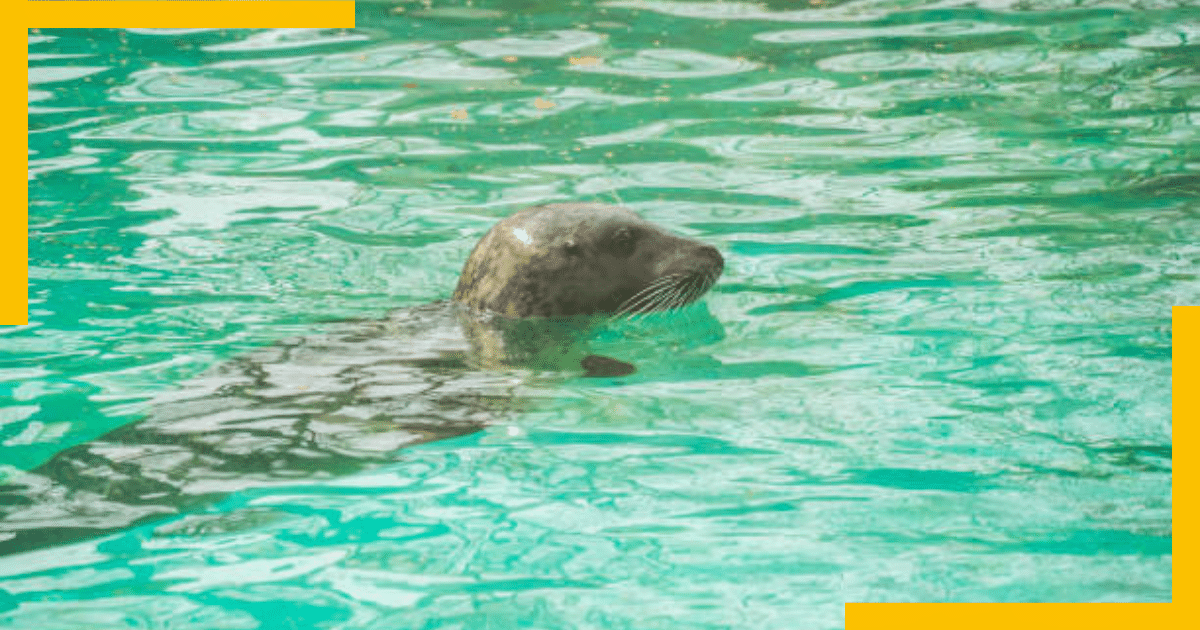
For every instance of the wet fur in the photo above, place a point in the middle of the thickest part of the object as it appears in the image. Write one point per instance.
(561, 260)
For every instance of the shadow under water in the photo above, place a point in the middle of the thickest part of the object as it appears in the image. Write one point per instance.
(306, 408)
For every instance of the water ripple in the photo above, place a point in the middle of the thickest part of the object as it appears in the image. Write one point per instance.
(668, 63)
(428, 62)
(551, 44)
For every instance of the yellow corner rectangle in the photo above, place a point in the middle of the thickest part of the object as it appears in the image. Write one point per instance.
(190, 14)
(14, 218)
(1185, 339)
(1010, 616)
(14, 237)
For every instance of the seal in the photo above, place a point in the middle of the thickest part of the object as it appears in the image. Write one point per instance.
(567, 259)
(345, 397)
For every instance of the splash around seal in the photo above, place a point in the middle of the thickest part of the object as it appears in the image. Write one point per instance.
(562, 260)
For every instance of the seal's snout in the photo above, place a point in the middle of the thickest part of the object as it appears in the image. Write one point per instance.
(699, 260)
(713, 255)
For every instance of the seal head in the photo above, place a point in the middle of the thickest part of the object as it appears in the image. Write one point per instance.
(560, 260)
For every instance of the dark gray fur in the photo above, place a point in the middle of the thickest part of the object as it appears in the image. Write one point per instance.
(566, 259)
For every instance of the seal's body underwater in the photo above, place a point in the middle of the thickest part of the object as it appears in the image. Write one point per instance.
(568, 259)
(336, 401)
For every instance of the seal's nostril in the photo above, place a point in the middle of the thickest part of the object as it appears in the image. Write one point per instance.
(715, 255)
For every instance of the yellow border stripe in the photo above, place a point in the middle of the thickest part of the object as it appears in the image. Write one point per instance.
(1185, 409)
(190, 14)
(1012, 616)
(1185, 339)
(14, 228)
(14, 217)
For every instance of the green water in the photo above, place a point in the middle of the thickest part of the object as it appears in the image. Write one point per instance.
(937, 367)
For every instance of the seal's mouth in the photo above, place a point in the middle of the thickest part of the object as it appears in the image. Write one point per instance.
(669, 292)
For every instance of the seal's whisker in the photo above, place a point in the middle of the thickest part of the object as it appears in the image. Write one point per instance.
(651, 301)
(666, 298)
(685, 293)
(666, 293)
(678, 297)
(660, 297)
(696, 291)
(635, 302)
(703, 284)
(644, 300)
(677, 292)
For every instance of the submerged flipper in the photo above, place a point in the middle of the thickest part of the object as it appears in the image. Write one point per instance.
(597, 366)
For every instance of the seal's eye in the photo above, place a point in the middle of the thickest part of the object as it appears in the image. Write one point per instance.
(621, 242)
(571, 247)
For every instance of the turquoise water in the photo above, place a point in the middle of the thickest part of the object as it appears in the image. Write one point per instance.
(937, 367)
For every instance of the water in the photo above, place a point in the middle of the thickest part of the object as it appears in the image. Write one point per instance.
(937, 366)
